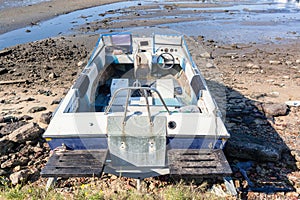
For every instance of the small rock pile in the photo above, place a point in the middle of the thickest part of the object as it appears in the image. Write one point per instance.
(42, 61)
(23, 152)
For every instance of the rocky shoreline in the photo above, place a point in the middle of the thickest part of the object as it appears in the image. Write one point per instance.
(251, 83)
(265, 133)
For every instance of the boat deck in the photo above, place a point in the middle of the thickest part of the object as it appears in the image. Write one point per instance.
(79, 163)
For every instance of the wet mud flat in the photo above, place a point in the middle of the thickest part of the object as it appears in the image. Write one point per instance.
(251, 81)
(227, 21)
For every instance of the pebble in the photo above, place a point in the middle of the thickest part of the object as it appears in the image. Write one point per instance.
(20, 176)
(3, 71)
(56, 101)
(253, 66)
(256, 67)
(52, 75)
(206, 55)
(210, 65)
(25, 118)
(47, 67)
(46, 117)
(286, 77)
(80, 63)
(37, 109)
(275, 62)
(274, 94)
(288, 62)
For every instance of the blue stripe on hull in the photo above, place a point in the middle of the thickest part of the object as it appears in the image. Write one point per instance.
(194, 143)
(172, 143)
(79, 143)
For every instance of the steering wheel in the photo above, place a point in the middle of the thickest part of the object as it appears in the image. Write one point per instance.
(165, 61)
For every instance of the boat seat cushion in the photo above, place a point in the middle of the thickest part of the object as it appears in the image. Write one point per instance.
(142, 64)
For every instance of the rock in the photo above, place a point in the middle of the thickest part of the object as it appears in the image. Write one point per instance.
(286, 77)
(10, 127)
(9, 163)
(52, 75)
(25, 118)
(3, 71)
(275, 109)
(274, 94)
(256, 67)
(296, 154)
(252, 148)
(5, 52)
(206, 55)
(210, 65)
(37, 149)
(253, 66)
(46, 117)
(47, 67)
(56, 101)
(257, 95)
(298, 61)
(28, 99)
(1, 126)
(275, 62)
(27, 132)
(288, 62)
(20, 176)
(80, 64)
(5, 145)
(3, 172)
(10, 119)
(37, 109)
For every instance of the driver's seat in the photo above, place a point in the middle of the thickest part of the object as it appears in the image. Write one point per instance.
(142, 64)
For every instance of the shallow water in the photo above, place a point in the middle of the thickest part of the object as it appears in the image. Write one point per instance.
(243, 22)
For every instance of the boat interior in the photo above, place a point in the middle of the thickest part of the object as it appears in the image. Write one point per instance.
(136, 74)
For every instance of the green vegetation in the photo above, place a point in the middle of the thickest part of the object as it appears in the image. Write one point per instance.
(116, 189)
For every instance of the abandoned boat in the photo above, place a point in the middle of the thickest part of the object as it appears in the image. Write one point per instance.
(140, 108)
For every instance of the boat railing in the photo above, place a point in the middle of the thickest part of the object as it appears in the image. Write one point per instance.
(144, 90)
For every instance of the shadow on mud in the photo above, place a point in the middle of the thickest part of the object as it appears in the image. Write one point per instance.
(258, 156)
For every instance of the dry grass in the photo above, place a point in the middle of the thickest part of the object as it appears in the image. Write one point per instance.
(117, 189)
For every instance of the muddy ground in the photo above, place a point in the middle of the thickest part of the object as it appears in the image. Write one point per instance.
(256, 73)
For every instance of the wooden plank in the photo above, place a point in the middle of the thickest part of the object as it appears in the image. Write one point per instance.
(77, 163)
(13, 82)
(72, 172)
(66, 160)
(198, 162)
